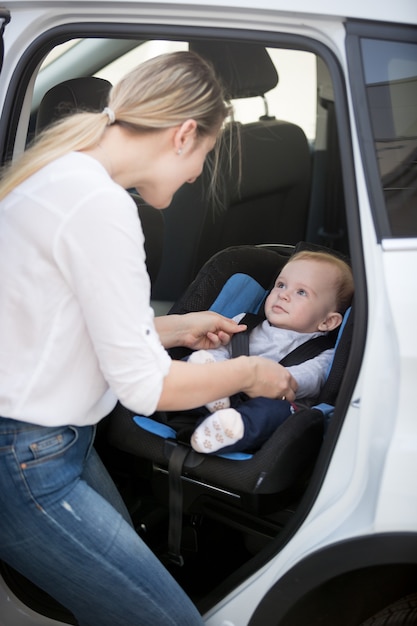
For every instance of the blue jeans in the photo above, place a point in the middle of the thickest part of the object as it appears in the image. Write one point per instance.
(64, 526)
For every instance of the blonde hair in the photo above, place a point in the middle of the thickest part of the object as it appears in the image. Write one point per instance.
(344, 282)
(160, 93)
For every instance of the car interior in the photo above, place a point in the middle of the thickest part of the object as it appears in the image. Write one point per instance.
(214, 521)
(264, 191)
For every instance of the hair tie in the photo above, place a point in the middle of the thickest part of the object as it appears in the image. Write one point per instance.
(110, 114)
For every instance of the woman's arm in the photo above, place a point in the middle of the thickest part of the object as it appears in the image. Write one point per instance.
(189, 385)
(199, 331)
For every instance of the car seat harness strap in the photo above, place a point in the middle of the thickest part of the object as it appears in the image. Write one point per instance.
(307, 350)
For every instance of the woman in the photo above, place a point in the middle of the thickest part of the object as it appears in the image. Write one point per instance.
(77, 332)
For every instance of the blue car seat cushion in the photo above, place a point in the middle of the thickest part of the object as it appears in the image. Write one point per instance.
(241, 293)
(157, 428)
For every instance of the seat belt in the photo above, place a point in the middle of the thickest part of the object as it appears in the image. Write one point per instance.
(176, 462)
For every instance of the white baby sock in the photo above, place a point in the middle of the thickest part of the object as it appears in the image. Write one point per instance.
(203, 356)
(217, 431)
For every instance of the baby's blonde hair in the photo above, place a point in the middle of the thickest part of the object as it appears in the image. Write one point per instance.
(160, 93)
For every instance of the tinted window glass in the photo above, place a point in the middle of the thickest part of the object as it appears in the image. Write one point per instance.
(391, 83)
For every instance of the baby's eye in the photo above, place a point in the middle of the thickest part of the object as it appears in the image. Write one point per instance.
(279, 284)
(302, 292)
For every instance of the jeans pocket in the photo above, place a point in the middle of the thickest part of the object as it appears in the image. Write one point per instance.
(52, 459)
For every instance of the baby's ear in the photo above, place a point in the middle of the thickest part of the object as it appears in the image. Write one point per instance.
(332, 321)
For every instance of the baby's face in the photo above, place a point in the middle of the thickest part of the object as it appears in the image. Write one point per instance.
(303, 296)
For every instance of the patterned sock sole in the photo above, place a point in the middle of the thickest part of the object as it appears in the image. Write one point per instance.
(217, 431)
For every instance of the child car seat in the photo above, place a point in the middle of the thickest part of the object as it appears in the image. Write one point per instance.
(242, 273)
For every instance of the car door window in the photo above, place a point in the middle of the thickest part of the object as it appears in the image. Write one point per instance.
(390, 78)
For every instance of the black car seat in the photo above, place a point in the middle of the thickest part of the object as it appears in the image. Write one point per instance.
(271, 202)
(267, 475)
(89, 93)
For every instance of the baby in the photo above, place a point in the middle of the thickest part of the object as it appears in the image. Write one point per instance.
(309, 298)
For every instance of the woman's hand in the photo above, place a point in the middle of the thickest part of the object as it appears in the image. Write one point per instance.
(201, 330)
(206, 329)
(270, 380)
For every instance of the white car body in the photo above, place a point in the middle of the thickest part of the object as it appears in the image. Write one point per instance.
(369, 493)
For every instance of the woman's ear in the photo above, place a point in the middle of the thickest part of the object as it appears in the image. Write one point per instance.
(183, 134)
(332, 321)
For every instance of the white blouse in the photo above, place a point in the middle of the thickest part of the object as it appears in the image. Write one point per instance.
(76, 327)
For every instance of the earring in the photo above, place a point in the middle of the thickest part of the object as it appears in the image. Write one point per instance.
(179, 151)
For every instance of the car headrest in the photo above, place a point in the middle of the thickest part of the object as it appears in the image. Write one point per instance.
(246, 70)
(87, 93)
